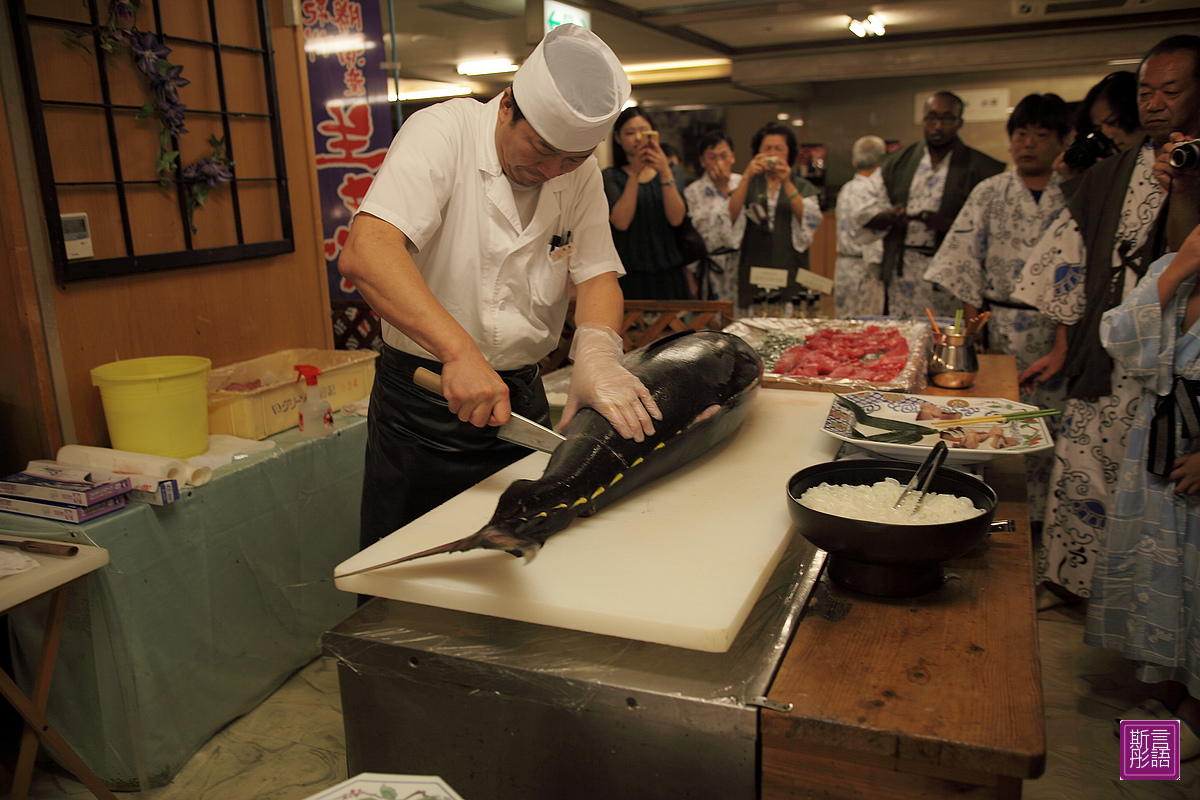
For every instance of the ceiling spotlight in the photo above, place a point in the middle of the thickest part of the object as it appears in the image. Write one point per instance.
(491, 66)
(783, 116)
(871, 26)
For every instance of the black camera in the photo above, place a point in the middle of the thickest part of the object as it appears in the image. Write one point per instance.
(1087, 150)
(1186, 155)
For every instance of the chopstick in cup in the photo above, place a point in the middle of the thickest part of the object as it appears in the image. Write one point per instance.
(934, 321)
(976, 324)
(949, 423)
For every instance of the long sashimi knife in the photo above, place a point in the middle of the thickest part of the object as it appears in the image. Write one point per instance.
(517, 430)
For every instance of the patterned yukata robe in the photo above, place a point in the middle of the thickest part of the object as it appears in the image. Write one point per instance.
(910, 294)
(1144, 593)
(858, 288)
(1093, 434)
(979, 262)
(709, 210)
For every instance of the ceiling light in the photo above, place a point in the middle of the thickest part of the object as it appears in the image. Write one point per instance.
(430, 94)
(328, 45)
(693, 64)
(783, 115)
(871, 26)
(491, 66)
(798, 122)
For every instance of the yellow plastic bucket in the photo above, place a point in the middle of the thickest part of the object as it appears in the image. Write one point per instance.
(156, 405)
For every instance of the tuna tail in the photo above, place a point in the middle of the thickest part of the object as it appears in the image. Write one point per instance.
(490, 538)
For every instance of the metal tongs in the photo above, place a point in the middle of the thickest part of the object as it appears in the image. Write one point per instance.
(924, 474)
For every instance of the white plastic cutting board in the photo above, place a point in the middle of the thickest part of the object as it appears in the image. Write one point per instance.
(679, 562)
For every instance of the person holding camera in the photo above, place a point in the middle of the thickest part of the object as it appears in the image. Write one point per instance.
(927, 184)
(774, 214)
(708, 207)
(1106, 124)
(1087, 262)
(1152, 548)
(645, 201)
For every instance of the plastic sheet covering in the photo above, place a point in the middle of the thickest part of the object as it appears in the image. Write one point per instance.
(196, 619)
(554, 666)
(764, 334)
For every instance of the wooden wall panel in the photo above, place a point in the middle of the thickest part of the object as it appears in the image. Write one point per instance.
(226, 312)
(28, 419)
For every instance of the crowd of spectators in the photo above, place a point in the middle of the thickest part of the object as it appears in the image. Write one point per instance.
(1085, 254)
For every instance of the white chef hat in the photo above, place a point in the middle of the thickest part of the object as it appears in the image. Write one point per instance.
(571, 88)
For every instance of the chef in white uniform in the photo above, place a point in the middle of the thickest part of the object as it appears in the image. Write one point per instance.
(477, 220)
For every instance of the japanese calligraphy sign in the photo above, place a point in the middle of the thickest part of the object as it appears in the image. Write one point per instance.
(352, 122)
(1150, 750)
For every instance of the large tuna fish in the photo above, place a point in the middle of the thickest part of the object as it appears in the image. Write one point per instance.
(703, 383)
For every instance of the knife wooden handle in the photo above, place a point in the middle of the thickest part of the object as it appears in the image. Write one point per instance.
(52, 548)
(38, 546)
(428, 379)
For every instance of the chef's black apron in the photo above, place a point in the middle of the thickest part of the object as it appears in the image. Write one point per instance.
(762, 247)
(419, 455)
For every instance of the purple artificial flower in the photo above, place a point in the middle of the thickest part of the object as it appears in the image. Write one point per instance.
(172, 115)
(149, 51)
(123, 9)
(214, 171)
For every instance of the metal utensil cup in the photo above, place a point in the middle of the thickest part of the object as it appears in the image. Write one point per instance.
(953, 364)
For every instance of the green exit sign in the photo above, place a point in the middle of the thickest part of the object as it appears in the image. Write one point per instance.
(555, 14)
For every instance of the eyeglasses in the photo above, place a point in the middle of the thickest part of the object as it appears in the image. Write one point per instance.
(948, 119)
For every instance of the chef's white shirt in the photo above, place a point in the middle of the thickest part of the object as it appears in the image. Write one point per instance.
(442, 185)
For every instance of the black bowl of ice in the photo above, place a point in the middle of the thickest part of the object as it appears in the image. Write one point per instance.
(882, 558)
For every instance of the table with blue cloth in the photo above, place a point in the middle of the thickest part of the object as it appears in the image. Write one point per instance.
(206, 607)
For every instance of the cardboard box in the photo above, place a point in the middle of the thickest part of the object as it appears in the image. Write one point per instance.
(272, 405)
(67, 490)
(34, 508)
(163, 493)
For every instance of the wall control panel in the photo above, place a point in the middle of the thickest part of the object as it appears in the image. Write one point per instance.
(77, 236)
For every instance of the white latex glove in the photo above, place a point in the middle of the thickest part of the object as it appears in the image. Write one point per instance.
(600, 381)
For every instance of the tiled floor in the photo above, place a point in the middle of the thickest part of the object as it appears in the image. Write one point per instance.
(292, 746)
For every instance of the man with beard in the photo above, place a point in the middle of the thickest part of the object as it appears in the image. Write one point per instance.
(927, 184)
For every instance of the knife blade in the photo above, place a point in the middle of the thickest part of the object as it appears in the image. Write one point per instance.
(517, 430)
(38, 546)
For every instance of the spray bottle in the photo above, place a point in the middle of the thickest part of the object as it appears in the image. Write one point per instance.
(316, 417)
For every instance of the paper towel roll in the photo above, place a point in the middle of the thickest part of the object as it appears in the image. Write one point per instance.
(103, 458)
(198, 476)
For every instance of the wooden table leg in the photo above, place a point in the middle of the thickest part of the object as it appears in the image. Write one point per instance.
(36, 726)
(27, 755)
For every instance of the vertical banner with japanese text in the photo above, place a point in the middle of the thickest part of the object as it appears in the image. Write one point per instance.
(343, 41)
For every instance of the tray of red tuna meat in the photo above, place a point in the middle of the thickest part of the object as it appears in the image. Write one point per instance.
(839, 355)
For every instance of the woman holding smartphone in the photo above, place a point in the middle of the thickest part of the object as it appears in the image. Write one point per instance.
(774, 216)
(645, 200)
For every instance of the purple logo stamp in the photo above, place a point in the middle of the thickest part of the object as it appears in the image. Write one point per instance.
(1150, 750)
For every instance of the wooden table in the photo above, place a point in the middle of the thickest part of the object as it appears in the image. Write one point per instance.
(53, 577)
(929, 697)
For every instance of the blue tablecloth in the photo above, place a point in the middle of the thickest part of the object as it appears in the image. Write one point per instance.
(196, 619)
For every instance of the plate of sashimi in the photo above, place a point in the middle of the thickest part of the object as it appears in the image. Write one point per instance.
(906, 426)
